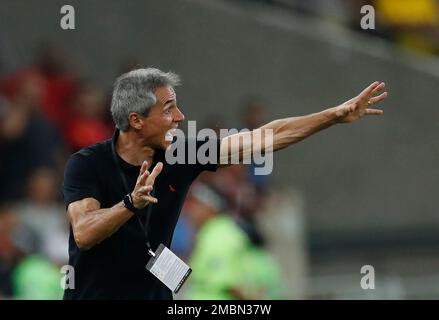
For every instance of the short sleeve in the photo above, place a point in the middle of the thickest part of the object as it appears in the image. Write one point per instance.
(80, 180)
(207, 154)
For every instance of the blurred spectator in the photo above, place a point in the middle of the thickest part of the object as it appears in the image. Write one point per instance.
(223, 255)
(44, 216)
(56, 82)
(9, 253)
(183, 238)
(240, 193)
(24, 273)
(86, 124)
(184, 234)
(263, 276)
(27, 141)
(37, 278)
(244, 191)
(219, 248)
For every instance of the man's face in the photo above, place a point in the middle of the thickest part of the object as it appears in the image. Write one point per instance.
(163, 117)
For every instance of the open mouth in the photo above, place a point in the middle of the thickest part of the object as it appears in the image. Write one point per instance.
(169, 136)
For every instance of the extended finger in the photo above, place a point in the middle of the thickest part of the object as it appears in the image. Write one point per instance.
(367, 92)
(142, 177)
(366, 95)
(376, 99)
(374, 112)
(144, 166)
(378, 88)
(155, 172)
(149, 199)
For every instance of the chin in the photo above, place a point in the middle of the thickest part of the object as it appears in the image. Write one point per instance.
(165, 144)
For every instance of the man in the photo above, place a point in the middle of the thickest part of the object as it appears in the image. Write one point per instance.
(121, 194)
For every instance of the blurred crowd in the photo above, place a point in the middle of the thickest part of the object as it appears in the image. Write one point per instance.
(47, 112)
(411, 24)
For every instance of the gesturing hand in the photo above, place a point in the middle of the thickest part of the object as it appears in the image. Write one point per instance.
(145, 182)
(359, 106)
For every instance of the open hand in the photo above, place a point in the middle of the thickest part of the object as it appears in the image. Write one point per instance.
(360, 105)
(145, 182)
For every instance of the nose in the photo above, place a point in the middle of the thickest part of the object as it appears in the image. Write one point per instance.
(179, 116)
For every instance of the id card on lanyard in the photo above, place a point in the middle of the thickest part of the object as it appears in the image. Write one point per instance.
(168, 268)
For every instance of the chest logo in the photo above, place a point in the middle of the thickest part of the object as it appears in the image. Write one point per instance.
(171, 188)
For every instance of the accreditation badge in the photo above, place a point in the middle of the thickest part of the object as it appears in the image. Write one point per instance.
(168, 268)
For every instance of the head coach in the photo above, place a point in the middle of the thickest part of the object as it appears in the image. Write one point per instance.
(121, 194)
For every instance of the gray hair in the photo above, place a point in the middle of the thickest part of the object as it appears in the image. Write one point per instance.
(134, 92)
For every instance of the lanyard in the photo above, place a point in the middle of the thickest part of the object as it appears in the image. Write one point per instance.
(127, 190)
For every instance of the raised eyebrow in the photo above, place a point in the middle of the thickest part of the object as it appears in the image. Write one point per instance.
(169, 101)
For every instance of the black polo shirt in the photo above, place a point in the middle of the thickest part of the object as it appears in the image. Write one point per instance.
(115, 268)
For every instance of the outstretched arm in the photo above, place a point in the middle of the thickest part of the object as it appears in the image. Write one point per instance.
(281, 133)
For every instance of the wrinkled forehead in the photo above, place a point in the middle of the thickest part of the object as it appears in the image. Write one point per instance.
(165, 94)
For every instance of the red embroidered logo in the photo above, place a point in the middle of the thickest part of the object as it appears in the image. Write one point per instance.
(171, 188)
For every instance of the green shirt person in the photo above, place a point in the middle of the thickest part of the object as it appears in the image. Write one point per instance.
(38, 279)
(226, 265)
(217, 260)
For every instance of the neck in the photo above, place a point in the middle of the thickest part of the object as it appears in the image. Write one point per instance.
(133, 149)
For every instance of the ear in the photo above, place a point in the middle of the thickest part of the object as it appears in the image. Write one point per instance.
(135, 120)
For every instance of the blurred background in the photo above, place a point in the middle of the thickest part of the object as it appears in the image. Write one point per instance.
(354, 195)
